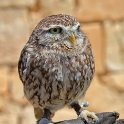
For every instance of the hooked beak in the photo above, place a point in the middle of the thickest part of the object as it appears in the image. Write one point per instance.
(72, 38)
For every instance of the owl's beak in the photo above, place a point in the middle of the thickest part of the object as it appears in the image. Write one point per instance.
(72, 38)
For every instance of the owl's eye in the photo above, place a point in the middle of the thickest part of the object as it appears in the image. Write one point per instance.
(55, 30)
(78, 28)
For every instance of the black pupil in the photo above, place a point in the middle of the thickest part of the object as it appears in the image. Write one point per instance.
(78, 28)
(55, 29)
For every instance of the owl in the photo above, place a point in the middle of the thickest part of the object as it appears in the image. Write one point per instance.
(56, 66)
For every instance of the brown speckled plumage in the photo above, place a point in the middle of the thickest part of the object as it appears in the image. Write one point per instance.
(54, 71)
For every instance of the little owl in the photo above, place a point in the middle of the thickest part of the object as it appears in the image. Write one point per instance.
(56, 66)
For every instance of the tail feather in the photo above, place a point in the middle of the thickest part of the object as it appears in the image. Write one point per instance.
(38, 112)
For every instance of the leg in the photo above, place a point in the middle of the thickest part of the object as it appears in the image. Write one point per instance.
(46, 117)
(84, 114)
(76, 107)
(47, 114)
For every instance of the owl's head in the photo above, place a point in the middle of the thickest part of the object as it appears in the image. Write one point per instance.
(59, 31)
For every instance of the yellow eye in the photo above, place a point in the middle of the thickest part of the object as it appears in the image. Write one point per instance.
(55, 30)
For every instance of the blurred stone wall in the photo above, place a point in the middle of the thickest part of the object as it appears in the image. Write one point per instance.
(102, 21)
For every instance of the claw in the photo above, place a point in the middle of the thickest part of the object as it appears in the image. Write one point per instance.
(97, 121)
(86, 114)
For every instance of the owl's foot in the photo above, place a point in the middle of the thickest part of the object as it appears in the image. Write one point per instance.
(46, 119)
(84, 114)
(43, 121)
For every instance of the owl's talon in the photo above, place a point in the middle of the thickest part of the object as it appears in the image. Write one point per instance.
(97, 121)
(86, 114)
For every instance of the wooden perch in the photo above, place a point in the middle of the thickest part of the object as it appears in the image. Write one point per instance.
(104, 118)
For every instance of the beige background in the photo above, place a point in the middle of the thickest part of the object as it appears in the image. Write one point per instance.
(102, 21)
